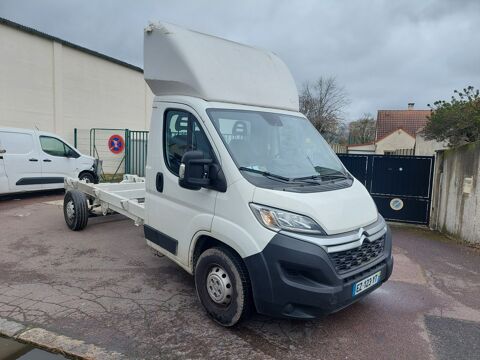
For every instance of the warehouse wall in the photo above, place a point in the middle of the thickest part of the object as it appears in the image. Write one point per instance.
(26, 80)
(58, 88)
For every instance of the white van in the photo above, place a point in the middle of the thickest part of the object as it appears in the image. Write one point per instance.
(33, 160)
(241, 190)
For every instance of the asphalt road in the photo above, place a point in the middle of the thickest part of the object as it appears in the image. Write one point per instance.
(103, 287)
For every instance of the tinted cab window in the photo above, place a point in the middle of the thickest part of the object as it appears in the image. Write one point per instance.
(183, 133)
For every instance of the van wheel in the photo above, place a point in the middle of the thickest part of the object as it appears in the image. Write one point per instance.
(223, 286)
(75, 210)
(87, 177)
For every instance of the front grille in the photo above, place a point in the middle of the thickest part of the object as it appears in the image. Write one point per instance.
(352, 259)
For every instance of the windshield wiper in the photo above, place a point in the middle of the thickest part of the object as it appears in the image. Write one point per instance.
(265, 173)
(332, 175)
(301, 180)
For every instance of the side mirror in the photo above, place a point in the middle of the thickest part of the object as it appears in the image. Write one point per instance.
(71, 154)
(194, 172)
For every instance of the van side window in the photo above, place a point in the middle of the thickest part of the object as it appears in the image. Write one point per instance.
(16, 143)
(182, 133)
(55, 147)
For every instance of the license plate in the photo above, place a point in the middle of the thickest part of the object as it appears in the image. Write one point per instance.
(366, 283)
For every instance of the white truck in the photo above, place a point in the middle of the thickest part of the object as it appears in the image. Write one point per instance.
(241, 191)
(32, 160)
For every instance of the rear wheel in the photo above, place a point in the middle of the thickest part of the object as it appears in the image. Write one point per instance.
(223, 286)
(75, 210)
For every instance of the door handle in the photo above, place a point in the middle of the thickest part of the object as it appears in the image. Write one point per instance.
(32, 159)
(159, 182)
(47, 160)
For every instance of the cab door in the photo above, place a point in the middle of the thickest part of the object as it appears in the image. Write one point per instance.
(21, 161)
(175, 214)
(58, 161)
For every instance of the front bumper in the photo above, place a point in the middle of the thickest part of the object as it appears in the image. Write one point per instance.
(97, 169)
(296, 279)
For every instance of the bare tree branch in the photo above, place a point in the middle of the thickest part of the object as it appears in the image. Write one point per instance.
(323, 102)
(362, 130)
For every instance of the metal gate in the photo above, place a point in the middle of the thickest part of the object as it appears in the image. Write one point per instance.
(136, 151)
(401, 186)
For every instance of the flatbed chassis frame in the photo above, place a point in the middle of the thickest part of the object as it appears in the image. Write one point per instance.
(126, 198)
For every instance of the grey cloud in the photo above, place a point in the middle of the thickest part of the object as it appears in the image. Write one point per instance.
(386, 53)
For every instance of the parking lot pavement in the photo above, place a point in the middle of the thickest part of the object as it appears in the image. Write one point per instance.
(102, 291)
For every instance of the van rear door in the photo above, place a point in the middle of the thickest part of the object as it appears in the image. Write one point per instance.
(3, 173)
(21, 161)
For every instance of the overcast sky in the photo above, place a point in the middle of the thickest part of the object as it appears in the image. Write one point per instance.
(385, 53)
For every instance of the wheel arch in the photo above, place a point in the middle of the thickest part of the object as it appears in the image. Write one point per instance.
(95, 177)
(204, 241)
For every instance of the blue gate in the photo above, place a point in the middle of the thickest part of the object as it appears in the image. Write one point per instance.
(401, 186)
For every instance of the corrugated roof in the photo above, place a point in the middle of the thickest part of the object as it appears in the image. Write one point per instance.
(408, 120)
(32, 31)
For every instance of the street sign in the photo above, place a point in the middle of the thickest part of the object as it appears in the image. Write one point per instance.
(116, 144)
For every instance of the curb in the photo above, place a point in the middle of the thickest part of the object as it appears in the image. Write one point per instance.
(55, 343)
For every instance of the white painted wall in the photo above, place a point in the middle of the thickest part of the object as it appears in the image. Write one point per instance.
(26, 80)
(427, 147)
(57, 88)
(399, 139)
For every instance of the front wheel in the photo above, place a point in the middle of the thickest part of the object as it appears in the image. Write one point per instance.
(223, 286)
(75, 210)
(87, 177)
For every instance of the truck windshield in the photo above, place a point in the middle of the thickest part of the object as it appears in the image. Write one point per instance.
(276, 144)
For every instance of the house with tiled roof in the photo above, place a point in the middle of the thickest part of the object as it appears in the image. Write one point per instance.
(396, 131)
(410, 121)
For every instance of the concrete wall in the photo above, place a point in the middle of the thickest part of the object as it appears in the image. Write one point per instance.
(399, 139)
(427, 147)
(456, 202)
(58, 88)
(361, 149)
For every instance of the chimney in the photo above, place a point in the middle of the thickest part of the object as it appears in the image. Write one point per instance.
(410, 106)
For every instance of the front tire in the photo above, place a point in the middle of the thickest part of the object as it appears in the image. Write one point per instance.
(223, 286)
(87, 177)
(75, 210)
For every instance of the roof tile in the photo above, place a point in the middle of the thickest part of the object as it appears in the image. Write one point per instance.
(409, 120)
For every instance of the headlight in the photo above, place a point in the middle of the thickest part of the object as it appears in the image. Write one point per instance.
(276, 220)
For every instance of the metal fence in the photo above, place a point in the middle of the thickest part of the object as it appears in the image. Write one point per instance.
(136, 152)
(339, 149)
(407, 152)
(131, 159)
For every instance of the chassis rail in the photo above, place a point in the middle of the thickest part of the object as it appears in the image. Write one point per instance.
(126, 198)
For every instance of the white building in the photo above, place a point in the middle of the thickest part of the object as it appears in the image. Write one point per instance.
(56, 86)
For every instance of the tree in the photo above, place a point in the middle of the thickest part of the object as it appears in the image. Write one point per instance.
(456, 121)
(323, 102)
(363, 130)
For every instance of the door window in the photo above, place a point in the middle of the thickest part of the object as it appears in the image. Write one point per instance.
(183, 133)
(54, 146)
(16, 143)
